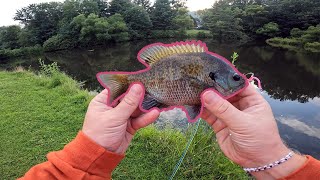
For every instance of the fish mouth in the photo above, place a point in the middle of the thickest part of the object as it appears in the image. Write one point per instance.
(223, 90)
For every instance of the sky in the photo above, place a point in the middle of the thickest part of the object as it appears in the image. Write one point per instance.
(8, 8)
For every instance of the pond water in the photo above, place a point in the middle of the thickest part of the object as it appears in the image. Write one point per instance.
(290, 80)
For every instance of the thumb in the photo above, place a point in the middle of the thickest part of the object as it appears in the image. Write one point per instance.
(101, 97)
(130, 101)
(221, 108)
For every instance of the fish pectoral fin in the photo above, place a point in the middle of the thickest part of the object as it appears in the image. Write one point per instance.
(150, 102)
(193, 112)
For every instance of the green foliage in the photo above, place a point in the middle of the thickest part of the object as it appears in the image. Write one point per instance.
(84, 23)
(200, 34)
(162, 15)
(41, 20)
(252, 18)
(119, 6)
(312, 34)
(285, 41)
(118, 29)
(296, 33)
(58, 42)
(52, 113)
(224, 23)
(145, 4)
(138, 22)
(9, 37)
(20, 52)
(307, 39)
(313, 47)
(94, 30)
(183, 21)
(271, 29)
(158, 34)
(234, 57)
(48, 69)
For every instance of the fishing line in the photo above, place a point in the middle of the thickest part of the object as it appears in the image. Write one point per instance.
(175, 170)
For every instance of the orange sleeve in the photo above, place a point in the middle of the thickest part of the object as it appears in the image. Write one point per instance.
(80, 159)
(309, 171)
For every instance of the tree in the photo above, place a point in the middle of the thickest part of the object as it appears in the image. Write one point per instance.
(138, 21)
(118, 29)
(296, 32)
(94, 30)
(289, 14)
(40, 20)
(225, 24)
(146, 4)
(312, 34)
(119, 6)
(183, 21)
(177, 4)
(162, 15)
(9, 37)
(271, 29)
(253, 17)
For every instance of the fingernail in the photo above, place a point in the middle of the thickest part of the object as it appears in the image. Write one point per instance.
(209, 97)
(154, 111)
(136, 89)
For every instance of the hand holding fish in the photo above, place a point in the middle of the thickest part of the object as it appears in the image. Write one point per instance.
(113, 128)
(247, 132)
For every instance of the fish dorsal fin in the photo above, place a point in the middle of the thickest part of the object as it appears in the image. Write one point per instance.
(155, 52)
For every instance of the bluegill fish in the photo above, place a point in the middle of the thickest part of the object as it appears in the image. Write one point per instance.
(176, 75)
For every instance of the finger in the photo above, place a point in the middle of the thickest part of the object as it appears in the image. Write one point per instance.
(221, 108)
(130, 101)
(102, 97)
(144, 120)
(208, 116)
(222, 136)
(249, 91)
(136, 113)
(218, 125)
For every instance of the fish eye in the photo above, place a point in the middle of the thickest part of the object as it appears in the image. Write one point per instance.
(236, 77)
(211, 75)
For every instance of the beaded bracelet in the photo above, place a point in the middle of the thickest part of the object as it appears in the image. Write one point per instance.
(269, 166)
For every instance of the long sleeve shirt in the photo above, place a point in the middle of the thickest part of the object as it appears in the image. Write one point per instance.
(84, 159)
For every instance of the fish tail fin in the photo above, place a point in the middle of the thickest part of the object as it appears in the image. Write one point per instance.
(117, 84)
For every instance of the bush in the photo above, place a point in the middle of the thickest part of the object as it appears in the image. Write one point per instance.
(296, 32)
(155, 34)
(313, 47)
(271, 29)
(25, 51)
(58, 42)
(198, 34)
(284, 41)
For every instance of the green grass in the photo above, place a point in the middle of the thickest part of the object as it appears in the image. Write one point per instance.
(198, 33)
(42, 113)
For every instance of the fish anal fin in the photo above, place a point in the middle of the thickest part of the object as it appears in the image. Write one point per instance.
(155, 52)
(150, 102)
(193, 112)
(116, 83)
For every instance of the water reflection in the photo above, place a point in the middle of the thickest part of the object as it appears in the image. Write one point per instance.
(300, 127)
